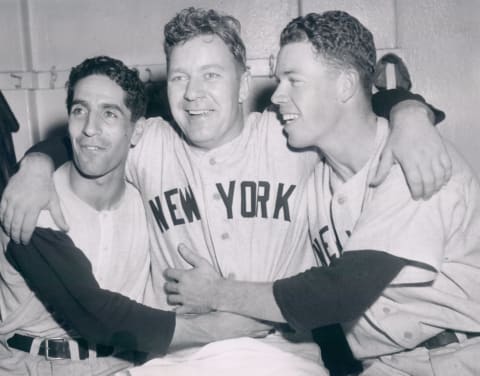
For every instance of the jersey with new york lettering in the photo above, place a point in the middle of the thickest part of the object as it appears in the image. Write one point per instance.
(241, 205)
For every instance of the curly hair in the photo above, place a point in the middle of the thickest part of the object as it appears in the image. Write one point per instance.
(192, 22)
(339, 38)
(128, 79)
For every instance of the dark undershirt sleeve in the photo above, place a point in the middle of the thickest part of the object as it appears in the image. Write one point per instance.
(338, 293)
(57, 148)
(62, 277)
(384, 100)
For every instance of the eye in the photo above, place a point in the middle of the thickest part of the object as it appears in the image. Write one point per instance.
(78, 111)
(211, 75)
(110, 114)
(178, 77)
(295, 82)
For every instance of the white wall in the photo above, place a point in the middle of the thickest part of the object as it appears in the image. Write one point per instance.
(42, 39)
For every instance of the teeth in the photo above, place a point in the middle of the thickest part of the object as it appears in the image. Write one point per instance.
(289, 117)
(198, 112)
(92, 147)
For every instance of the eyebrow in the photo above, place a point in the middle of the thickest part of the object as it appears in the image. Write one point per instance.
(203, 68)
(104, 105)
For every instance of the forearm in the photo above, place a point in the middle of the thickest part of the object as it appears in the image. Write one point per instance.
(58, 149)
(100, 316)
(253, 299)
(195, 330)
(35, 163)
(385, 101)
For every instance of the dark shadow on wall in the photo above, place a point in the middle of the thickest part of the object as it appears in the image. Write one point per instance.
(8, 124)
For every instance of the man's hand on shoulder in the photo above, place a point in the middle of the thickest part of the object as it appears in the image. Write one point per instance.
(419, 149)
(28, 192)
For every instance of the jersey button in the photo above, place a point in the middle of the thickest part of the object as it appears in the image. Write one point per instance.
(216, 196)
(212, 161)
(386, 310)
(341, 200)
(408, 335)
(225, 236)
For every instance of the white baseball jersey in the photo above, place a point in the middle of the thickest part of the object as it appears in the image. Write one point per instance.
(242, 205)
(117, 245)
(439, 237)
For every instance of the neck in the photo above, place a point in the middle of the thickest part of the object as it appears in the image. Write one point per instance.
(102, 193)
(351, 143)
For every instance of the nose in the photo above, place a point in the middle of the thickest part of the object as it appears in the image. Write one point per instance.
(91, 126)
(279, 96)
(194, 89)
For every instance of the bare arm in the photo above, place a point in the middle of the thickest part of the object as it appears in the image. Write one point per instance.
(348, 287)
(196, 330)
(28, 192)
(419, 149)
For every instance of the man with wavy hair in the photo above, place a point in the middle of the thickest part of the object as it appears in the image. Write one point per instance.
(228, 186)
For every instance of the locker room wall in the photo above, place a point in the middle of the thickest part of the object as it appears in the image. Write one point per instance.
(42, 39)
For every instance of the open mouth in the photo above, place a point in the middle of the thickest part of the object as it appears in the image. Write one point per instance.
(91, 147)
(198, 112)
(288, 118)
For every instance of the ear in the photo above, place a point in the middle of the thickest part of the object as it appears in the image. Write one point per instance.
(348, 82)
(138, 129)
(245, 82)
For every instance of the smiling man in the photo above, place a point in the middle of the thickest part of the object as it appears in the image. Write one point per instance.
(229, 186)
(106, 102)
(397, 273)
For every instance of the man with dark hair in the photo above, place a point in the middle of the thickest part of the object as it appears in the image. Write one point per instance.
(106, 103)
(401, 275)
(229, 185)
(92, 323)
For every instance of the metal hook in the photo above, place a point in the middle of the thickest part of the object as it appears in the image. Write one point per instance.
(19, 78)
(53, 77)
(271, 65)
(150, 75)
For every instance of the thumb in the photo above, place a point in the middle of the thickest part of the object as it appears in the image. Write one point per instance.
(189, 256)
(57, 214)
(384, 166)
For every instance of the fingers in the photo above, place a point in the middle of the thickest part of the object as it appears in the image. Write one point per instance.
(189, 256)
(173, 274)
(446, 163)
(384, 166)
(183, 310)
(415, 182)
(13, 222)
(174, 299)
(28, 226)
(171, 287)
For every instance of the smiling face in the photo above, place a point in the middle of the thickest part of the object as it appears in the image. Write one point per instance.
(306, 95)
(100, 127)
(205, 89)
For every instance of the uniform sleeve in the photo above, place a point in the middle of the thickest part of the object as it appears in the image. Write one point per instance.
(62, 276)
(338, 293)
(417, 231)
(57, 148)
(384, 100)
